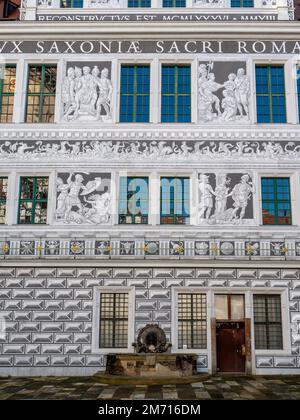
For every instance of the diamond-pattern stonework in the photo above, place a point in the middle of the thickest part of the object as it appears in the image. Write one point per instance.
(49, 318)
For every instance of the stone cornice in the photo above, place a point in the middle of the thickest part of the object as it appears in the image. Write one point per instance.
(50, 30)
(151, 132)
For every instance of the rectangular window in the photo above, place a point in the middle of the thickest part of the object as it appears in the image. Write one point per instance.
(242, 3)
(113, 320)
(135, 93)
(176, 93)
(267, 322)
(192, 321)
(41, 89)
(174, 200)
(3, 197)
(139, 3)
(71, 3)
(276, 201)
(133, 204)
(7, 92)
(33, 200)
(174, 3)
(270, 94)
(229, 307)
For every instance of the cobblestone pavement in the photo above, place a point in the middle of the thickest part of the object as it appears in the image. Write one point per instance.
(216, 387)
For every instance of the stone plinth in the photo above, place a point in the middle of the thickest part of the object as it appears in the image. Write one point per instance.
(151, 365)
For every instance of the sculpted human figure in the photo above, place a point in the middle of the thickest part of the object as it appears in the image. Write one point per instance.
(242, 91)
(73, 196)
(86, 94)
(207, 98)
(105, 93)
(221, 193)
(229, 105)
(241, 193)
(61, 207)
(99, 212)
(205, 197)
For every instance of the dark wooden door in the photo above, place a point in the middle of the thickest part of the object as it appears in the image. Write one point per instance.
(231, 347)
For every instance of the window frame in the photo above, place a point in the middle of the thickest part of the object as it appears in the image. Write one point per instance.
(280, 176)
(187, 218)
(135, 94)
(285, 319)
(41, 95)
(4, 201)
(71, 4)
(139, 2)
(241, 4)
(133, 177)
(3, 94)
(96, 319)
(191, 320)
(269, 94)
(267, 323)
(176, 94)
(173, 4)
(34, 201)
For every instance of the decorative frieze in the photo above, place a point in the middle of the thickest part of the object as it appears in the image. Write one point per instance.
(151, 151)
(215, 248)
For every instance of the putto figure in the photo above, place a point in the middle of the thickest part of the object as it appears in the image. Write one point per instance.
(86, 96)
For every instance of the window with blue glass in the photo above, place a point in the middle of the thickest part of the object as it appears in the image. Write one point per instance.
(174, 3)
(139, 3)
(270, 94)
(242, 3)
(176, 93)
(134, 200)
(298, 91)
(71, 3)
(276, 201)
(135, 93)
(174, 200)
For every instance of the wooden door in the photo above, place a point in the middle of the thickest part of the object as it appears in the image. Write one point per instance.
(231, 347)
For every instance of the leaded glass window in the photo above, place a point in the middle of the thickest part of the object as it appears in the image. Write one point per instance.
(176, 94)
(7, 92)
(267, 322)
(113, 331)
(33, 200)
(3, 198)
(192, 321)
(41, 89)
(135, 93)
(276, 201)
(133, 202)
(174, 200)
(270, 94)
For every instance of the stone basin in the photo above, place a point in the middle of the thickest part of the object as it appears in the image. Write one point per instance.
(152, 364)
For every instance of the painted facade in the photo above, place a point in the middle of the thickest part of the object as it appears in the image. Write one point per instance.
(73, 242)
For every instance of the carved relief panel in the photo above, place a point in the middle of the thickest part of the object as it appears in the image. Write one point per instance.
(225, 198)
(223, 92)
(83, 198)
(87, 92)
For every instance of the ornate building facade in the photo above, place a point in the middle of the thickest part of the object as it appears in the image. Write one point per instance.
(150, 175)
